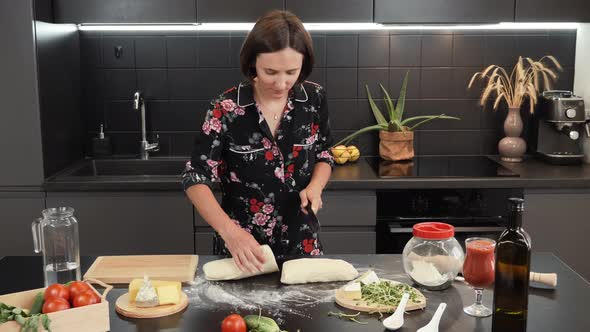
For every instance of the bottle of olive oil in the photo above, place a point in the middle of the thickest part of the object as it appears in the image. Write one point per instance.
(511, 285)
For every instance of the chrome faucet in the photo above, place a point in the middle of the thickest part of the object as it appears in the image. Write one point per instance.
(146, 147)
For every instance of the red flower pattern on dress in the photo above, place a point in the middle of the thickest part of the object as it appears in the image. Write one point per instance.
(268, 155)
(217, 113)
(308, 245)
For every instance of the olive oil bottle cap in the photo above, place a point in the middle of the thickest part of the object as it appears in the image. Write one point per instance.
(516, 204)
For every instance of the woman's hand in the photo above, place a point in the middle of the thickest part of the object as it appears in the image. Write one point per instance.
(244, 249)
(311, 194)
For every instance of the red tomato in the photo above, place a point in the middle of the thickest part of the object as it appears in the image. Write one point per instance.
(57, 290)
(85, 298)
(233, 323)
(77, 287)
(54, 304)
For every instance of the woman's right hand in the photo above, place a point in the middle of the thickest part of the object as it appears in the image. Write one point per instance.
(244, 249)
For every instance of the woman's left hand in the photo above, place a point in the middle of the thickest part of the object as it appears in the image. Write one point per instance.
(311, 194)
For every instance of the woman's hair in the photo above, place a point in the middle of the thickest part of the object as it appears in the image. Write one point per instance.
(274, 31)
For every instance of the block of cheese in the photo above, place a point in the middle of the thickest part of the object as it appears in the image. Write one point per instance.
(168, 294)
(353, 291)
(170, 290)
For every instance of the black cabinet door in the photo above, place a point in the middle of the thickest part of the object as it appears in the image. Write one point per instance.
(234, 10)
(448, 11)
(331, 11)
(552, 11)
(130, 223)
(124, 11)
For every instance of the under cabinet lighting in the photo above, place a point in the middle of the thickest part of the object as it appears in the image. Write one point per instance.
(325, 27)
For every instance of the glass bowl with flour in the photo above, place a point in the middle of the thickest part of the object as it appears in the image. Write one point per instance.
(433, 257)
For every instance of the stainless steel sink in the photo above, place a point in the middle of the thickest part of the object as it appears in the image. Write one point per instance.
(128, 167)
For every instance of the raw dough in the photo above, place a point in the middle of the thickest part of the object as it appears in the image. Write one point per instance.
(304, 270)
(226, 269)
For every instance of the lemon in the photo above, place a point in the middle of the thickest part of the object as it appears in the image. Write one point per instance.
(341, 154)
(354, 153)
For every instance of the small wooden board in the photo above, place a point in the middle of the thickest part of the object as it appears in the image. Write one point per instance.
(123, 269)
(361, 305)
(125, 308)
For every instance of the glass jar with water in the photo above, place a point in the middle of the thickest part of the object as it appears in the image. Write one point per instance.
(56, 237)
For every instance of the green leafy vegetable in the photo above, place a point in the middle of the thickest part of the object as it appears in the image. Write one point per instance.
(386, 293)
(347, 316)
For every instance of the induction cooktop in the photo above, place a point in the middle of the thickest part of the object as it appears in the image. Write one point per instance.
(440, 166)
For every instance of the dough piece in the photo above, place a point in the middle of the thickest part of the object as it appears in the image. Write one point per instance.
(226, 269)
(304, 270)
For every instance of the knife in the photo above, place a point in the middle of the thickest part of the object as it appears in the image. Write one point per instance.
(312, 219)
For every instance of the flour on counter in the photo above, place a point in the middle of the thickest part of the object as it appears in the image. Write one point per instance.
(276, 299)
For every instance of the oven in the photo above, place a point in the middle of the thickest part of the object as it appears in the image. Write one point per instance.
(473, 212)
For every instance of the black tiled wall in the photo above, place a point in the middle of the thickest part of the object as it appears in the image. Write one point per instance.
(180, 72)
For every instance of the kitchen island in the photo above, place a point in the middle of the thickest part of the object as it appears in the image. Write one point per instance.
(306, 307)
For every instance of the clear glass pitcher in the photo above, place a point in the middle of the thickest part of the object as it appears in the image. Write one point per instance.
(56, 237)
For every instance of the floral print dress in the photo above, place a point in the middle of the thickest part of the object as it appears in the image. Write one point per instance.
(261, 176)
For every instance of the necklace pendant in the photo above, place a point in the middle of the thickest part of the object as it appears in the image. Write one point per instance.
(276, 117)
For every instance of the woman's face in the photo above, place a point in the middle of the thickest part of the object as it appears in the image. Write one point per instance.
(278, 71)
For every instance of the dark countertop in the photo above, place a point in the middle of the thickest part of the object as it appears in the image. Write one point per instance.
(560, 309)
(358, 176)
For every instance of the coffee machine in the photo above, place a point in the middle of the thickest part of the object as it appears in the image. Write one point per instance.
(558, 127)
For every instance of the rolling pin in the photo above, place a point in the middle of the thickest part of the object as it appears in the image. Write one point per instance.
(549, 279)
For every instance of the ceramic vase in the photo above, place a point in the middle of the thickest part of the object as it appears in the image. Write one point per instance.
(512, 147)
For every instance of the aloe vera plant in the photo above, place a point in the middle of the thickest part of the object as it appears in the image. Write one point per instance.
(396, 122)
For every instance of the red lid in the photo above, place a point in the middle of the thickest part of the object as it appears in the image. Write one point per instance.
(434, 230)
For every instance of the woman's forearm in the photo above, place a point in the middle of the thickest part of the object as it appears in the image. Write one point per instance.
(204, 201)
(321, 175)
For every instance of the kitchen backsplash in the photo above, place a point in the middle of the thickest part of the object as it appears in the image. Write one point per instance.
(179, 72)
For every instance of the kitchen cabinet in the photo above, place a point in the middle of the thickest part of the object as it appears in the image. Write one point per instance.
(335, 11)
(557, 221)
(20, 128)
(450, 11)
(19, 209)
(124, 11)
(216, 11)
(552, 11)
(129, 223)
(348, 242)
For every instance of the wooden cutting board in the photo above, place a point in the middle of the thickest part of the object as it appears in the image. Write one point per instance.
(361, 305)
(123, 269)
(125, 308)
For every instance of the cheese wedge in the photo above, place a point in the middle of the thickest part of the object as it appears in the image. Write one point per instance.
(146, 296)
(168, 292)
(369, 277)
(353, 291)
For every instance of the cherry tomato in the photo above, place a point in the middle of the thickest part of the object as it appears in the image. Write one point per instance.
(85, 298)
(57, 290)
(54, 304)
(77, 287)
(233, 323)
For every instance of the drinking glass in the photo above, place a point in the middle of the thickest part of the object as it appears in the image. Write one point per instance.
(478, 271)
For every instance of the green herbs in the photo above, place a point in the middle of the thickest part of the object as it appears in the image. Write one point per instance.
(349, 317)
(27, 321)
(386, 293)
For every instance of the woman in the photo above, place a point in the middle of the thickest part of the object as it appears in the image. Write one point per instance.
(267, 142)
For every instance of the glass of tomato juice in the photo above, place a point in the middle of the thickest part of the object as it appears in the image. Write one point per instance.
(478, 271)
